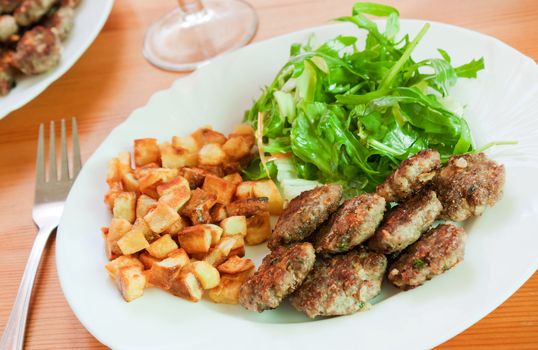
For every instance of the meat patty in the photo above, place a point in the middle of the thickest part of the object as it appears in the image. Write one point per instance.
(38, 51)
(468, 184)
(281, 272)
(61, 22)
(31, 11)
(404, 223)
(437, 251)
(353, 223)
(341, 284)
(304, 214)
(412, 174)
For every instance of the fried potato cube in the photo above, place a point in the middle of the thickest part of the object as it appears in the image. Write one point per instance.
(146, 151)
(248, 207)
(155, 177)
(267, 189)
(115, 190)
(124, 163)
(179, 183)
(125, 206)
(177, 226)
(140, 172)
(188, 143)
(222, 189)
(162, 272)
(227, 292)
(236, 265)
(238, 146)
(147, 260)
(160, 218)
(211, 154)
(222, 250)
(142, 226)
(176, 198)
(258, 228)
(234, 178)
(218, 212)
(205, 273)
(162, 247)
(130, 182)
(197, 208)
(216, 233)
(117, 229)
(234, 225)
(195, 239)
(113, 173)
(123, 261)
(240, 251)
(206, 135)
(184, 284)
(132, 242)
(245, 190)
(243, 129)
(144, 204)
(194, 176)
(131, 282)
(175, 158)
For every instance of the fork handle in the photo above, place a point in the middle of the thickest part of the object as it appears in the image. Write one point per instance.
(13, 337)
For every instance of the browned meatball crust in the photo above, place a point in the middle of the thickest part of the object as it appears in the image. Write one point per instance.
(412, 174)
(38, 51)
(353, 223)
(404, 223)
(304, 214)
(437, 251)
(468, 184)
(61, 22)
(7, 74)
(341, 284)
(281, 272)
(31, 11)
(8, 6)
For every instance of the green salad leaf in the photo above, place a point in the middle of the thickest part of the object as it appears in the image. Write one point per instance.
(349, 112)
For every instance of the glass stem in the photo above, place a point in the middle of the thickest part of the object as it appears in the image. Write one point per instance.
(190, 7)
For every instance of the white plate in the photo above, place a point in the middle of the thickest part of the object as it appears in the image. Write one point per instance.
(90, 16)
(501, 251)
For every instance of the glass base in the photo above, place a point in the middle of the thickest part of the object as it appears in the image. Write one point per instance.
(182, 42)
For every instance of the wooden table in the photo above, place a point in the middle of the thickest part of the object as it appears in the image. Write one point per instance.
(112, 79)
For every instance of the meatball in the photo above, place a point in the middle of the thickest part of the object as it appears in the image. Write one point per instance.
(8, 27)
(8, 6)
(61, 22)
(437, 251)
(468, 184)
(31, 11)
(280, 273)
(7, 74)
(70, 3)
(411, 176)
(38, 51)
(304, 214)
(353, 223)
(404, 223)
(341, 284)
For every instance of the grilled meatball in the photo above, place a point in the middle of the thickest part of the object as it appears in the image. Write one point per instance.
(31, 11)
(404, 223)
(468, 184)
(8, 6)
(341, 284)
(61, 22)
(70, 3)
(280, 273)
(353, 223)
(7, 74)
(437, 251)
(411, 176)
(304, 214)
(8, 27)
(38, 51)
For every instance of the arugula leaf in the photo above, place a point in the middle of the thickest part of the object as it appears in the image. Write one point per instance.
(469, 70)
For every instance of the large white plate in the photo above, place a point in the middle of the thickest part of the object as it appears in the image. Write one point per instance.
(501, 251)
(90, 17)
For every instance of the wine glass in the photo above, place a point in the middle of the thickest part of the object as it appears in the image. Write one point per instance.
(197, 31)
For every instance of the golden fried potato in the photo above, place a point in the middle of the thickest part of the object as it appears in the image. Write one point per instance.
(245, 190)
(144, 204)
(238, 146)
(234, 178)
(227, 292)
(258, 228)
(147, 260)
(222, 250)
(234, 225)
(268, 189)
(123, 261)
(162, 273)
(243, 129)
(131, 282)
(195, 239)
(218, 212)
(222, 189)
(248, 207)
(130, 182)
(146, 151)
(162, 217)
(205, 273)
(197, 208)
(177, 226)
(125, 206)
(211, 154)
(117, 229)
(162, 247)
(206, 135)
(236, 265)
(177, 183)
(185, 285)
(142, 226)
(132, 242)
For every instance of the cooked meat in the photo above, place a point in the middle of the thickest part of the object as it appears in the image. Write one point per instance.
(61, 22)
(341, 284)
(281, 272)
(38, 51)
(7, 74)
(411, 176)
(8, 6)
(8, 27)
(304, 214)
(468, 184)
(353, 223)
(437, 251)
(31, 11)
(404, 223)
(70, 3)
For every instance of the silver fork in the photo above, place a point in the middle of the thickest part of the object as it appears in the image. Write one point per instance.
(48, 207)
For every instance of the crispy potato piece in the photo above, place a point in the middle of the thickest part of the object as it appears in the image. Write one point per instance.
(139, 172)
(131, 282)
(234, 225)
(146, 151)
(227, 292)
(148, 284)
(211, 154)
(188, 143)
(175, 158)
(123, 261)
(222, 250)
(195, 239)
(238, 146)
(125, 206)
(268, 189)
(142, 226)
(162, 247)
(236, 265)
(124, 163)
(115, 190)
(194, 176)
(117, 229)
(177, 226)
(132, 242)
(113, 173)
(162, 272)
(176, 198)
(130, 182)
(240, 252)
(218, 212)
(217, 170)
(155, 177)
(184, 284)
(147, 260)
(258, 228)
(222, 189)
(205, 273)
(144, 204)
(216, 233)
(243, 129)
(179, 183)
(248, 207)
(162, 217)
(206, 135)
(234, 178)
(245, 190)
(197, 208)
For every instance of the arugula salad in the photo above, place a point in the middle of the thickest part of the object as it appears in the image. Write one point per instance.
(343, 114)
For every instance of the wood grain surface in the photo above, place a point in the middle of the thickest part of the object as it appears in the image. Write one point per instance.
(112, 78)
